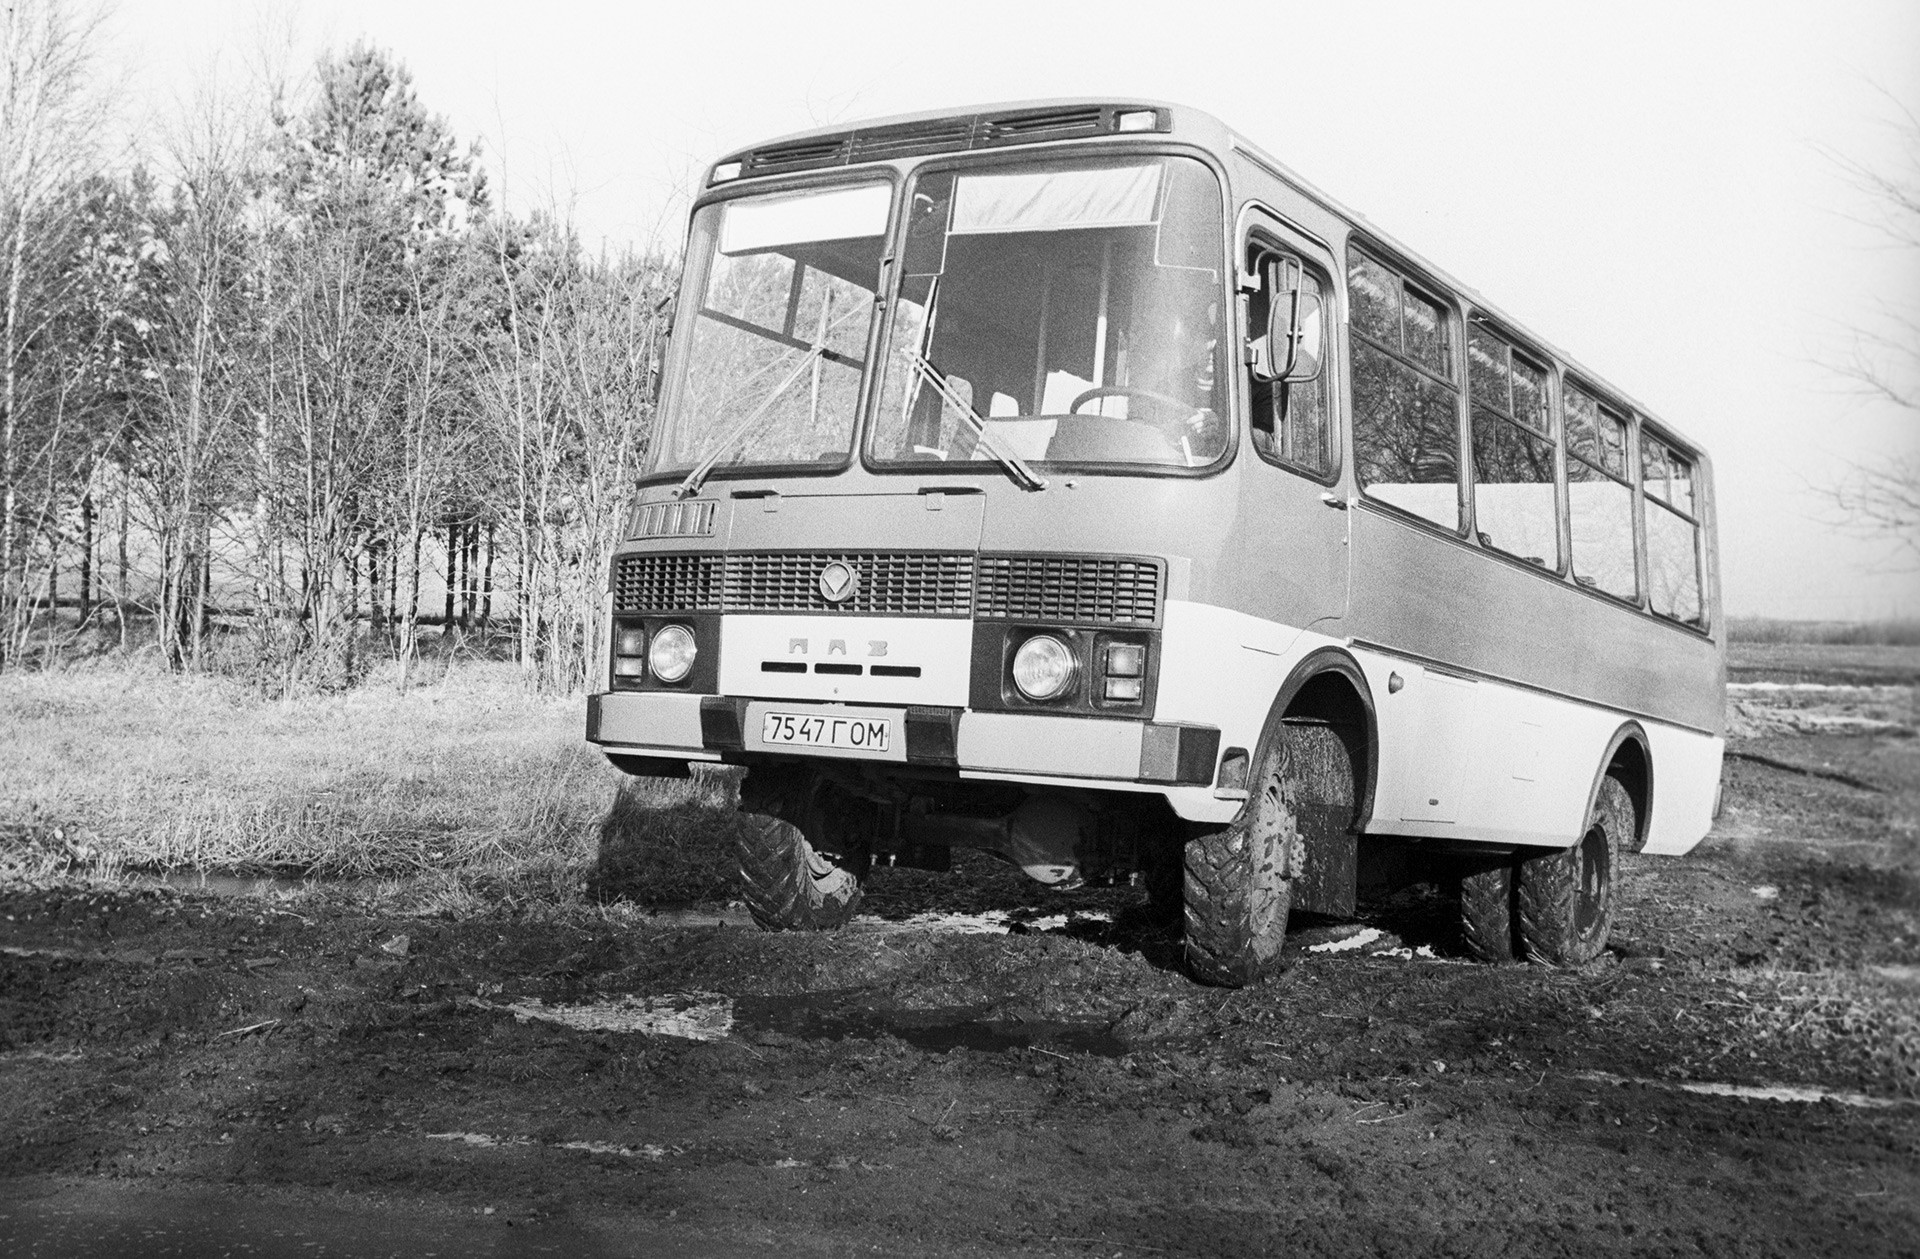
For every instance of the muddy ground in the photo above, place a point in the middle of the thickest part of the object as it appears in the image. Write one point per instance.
(981, 1067)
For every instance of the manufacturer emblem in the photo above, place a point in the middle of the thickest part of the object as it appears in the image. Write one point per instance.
(838, 582)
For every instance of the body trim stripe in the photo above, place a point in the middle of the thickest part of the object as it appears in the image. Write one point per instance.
(1457, 670)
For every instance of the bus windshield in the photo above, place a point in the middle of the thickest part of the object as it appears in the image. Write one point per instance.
(785, 287)
(1061, 312)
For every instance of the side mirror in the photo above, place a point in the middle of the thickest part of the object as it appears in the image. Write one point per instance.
(1292, 351)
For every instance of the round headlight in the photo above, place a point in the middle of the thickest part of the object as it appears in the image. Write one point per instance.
(671, 655)
(1043, 667)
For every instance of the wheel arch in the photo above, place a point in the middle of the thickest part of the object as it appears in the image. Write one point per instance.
(1328, 684)
(1629, 758)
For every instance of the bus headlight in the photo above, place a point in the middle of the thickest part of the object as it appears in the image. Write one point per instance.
(672, 653)
(1043, 667)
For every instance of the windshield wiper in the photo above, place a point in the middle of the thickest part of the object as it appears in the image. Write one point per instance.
(694, 479)
(691, 485)
(1024, 476)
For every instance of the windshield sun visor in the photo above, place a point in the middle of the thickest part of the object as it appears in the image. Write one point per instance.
(756, 224)
(1052, 201)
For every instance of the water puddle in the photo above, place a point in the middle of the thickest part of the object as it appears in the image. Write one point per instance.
(685, 1015)
(1756, 1092)
(1346, 944)
(991, 922)
(486, 1141)
(983, 1028)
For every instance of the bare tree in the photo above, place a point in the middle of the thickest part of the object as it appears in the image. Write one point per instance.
(1882, 362)
(49, 118)
(197, 387)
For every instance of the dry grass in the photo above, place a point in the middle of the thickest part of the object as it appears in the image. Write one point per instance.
(473, 776)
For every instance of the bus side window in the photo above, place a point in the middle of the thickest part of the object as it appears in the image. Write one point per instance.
(1513, 451)
(1290, 421)
(1673, 532)
(1599, 496)
(1406, 412)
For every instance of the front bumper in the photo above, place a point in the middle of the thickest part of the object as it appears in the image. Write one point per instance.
(684, 727)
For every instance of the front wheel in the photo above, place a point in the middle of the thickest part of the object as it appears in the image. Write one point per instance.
(802, 851)
(1564, 899)
(1239, 880)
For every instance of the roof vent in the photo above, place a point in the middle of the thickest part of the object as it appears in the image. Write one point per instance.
(949, 135)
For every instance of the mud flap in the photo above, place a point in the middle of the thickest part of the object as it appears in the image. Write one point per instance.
(1324, 756)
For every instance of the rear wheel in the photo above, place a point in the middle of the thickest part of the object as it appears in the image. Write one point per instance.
(1564, 900)
(803, 850)
(1239, 879)
(1486, 912)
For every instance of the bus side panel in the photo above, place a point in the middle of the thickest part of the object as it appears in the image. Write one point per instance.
(1470, 759)
(1451, 603)
(1686, 776)
(1223, 668)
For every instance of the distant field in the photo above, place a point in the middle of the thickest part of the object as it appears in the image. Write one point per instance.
(1834, 663)
(1763, 629)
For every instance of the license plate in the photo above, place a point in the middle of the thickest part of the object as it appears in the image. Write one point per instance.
(826, 730)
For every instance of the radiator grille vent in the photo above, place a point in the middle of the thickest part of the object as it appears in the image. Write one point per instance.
(901, 583)
(1098, 590)
(1104, 591)
(667, 583)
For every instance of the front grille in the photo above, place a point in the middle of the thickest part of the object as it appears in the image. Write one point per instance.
(1098, 590)
(667, 583)
(899, 583)
(1103, 590)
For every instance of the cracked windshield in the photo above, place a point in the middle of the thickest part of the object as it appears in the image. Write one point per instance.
(1059, 314)
(780, 329)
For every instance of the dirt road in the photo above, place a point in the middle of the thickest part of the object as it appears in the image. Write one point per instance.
(982, 1068)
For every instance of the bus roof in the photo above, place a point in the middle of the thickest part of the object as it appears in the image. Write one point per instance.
(1067, 119)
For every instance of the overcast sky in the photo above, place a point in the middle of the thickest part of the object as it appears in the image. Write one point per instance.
(1650, 186)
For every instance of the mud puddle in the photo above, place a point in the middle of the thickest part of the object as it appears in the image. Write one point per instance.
(836, 1016)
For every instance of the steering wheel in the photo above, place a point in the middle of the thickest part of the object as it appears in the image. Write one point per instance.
(1128, 391)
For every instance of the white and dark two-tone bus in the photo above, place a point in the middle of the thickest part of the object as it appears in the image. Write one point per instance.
(1072, 481)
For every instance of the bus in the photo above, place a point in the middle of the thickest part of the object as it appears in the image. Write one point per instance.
(1072, 481)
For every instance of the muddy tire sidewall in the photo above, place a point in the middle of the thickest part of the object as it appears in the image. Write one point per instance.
(1238, 883)
(787, 883)
(1564, 900)
(1486, 913)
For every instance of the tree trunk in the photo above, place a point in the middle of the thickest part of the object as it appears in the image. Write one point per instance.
(486, 581)
(470, 551)
(453, 576)
(86, 553)
(120, 590)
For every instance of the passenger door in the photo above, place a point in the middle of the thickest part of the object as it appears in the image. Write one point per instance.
(1294, 497)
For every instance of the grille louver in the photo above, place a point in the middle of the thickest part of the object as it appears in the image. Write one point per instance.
(911, 141)
(1092, 590)
(667, 583)
(805, 155)
(1101, 591)
(891, 584)
(1053, 125)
